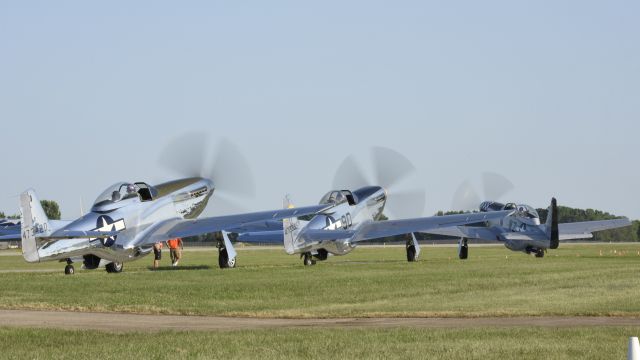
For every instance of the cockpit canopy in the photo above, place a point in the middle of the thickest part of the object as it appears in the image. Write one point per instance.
(338, 197)
(521, 209)
(528, 211)
(123, 191)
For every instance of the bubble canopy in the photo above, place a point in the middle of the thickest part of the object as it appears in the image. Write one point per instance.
(121, 191)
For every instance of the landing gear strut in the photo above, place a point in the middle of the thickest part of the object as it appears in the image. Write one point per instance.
(308, 259)
(463, 249)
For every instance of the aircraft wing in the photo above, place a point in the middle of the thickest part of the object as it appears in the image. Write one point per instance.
(10, 237)
(260, 226)
(379, 229)
(583, 230)
(174, 228)
(262, 237)
(470, 232)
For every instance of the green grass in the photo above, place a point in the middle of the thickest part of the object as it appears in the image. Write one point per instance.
(573, 280)
(500, 343)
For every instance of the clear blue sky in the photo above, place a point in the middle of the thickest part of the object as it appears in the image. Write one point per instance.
(546, 93)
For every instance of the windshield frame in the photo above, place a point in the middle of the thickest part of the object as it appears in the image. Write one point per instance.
(108, 196)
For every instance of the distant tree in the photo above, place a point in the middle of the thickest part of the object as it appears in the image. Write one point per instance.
(51, 208)
(2, 216)
(14, 216)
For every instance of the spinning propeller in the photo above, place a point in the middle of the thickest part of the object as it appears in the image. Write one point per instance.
(494, 185)
(191, 155)
(391, 170)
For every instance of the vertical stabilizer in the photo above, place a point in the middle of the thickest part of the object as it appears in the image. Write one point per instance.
(34, 222)
(552, 225)
(291, 228)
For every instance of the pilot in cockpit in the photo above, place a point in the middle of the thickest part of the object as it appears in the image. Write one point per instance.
(131, 189)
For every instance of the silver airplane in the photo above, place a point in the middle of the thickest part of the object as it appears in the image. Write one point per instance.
(522, 230)
(127, 219)
(350, 218)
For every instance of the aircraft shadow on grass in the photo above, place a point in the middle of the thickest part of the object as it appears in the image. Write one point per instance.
(176, 268)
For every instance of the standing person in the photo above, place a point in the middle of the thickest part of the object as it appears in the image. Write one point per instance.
(157, 253)
(175, 250)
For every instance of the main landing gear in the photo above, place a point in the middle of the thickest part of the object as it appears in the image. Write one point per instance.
(308, 259)
(223, 259)
(411, 252)
(463, 249)
(69, 269)
(114, 267)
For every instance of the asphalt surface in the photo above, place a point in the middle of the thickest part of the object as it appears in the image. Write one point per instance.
(145, 323)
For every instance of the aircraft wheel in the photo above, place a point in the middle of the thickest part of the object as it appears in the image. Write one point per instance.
(69, 270)
(540, 253)
(114, 267)
(411, 253)
(223, 259)
(308, 260)
(464, 252)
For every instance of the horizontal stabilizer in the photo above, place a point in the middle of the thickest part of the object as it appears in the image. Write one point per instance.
(587, 227)
(324, 235)
(76, 234)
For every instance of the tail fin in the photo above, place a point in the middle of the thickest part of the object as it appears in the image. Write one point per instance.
(34, 222)
(552, 225)
(291, 228)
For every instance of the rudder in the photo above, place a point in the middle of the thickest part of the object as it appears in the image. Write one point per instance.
(552, 225)
(34, 222)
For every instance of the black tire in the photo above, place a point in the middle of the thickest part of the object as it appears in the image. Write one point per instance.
(464, 252)
(308, 260)
(114, 267)
(223, 259)
(69, 270)
(540, 253)
(411, 253)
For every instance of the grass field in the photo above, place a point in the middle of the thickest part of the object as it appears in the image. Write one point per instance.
(513, 343)
(573, 280)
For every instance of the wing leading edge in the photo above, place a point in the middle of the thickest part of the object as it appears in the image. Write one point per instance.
(174, 228)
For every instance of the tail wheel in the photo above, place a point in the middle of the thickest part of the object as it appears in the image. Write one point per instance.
(540, 253)
(114, 267)
(69, 270)
(411, 253)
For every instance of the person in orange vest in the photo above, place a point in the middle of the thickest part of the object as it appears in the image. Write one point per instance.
(175, 250)
(157, 254)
